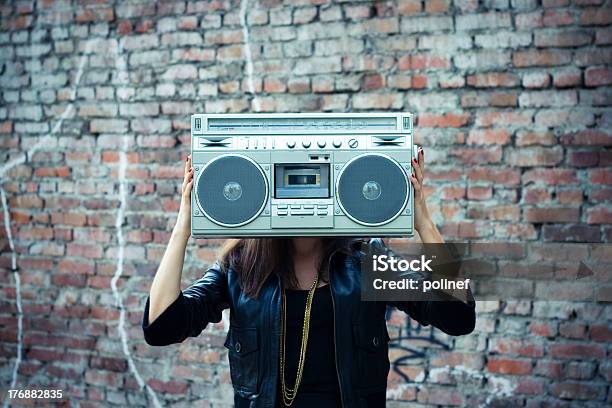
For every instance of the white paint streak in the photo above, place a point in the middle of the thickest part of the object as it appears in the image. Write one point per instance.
(9, 235)
(122, 78)
(23, 158)
(247, 53)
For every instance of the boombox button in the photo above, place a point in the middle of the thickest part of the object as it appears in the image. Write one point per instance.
(282, 212)
(322, 207)
(295, 206)
(321, 212)
(306, 143)
(282, 206)
(302, 212)
(308, 206)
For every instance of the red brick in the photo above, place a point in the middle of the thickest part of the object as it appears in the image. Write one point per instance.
(583, 158)
(590, 137)
(571, 233)
(515, 346)
(600, 176)
(94, 15)
(509, 366)
(543, 328)
(550, 176)
(428, 61)
(497, 175)
(599, 216)
(170, 387)
(577, 351)
(556, 18)
(534, 58)
(419, 81)
(445, 120)
(572, 330)
(409, 7)
(488, 136)
(531, 386)
(479, 193)
(570, 196)
(493, 79)
(596, 16)
(505, 118)
(601, 333)
(69, 280)
(578, 391)
(373, 81)
(598, 76)
(548, 214)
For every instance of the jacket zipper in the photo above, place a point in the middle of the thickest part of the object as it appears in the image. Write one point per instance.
(334, 311)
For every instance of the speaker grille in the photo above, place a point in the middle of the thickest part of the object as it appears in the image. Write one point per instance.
(372, 189)
(232, 190)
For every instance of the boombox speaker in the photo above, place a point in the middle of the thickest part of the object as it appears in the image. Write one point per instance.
(322, 174)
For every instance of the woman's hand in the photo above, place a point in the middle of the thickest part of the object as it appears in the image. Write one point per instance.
(183, 222)
(422, 220)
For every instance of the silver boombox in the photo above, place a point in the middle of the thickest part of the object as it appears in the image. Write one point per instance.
(302, 174)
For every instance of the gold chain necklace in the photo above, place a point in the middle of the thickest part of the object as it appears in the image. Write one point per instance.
(289, 394)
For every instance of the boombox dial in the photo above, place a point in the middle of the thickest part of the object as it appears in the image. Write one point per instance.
(318, 174)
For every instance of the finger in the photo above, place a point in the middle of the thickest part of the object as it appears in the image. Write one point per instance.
(188, 176)
(422, 160)
(187, 165)
(415, 183)
(417, 170)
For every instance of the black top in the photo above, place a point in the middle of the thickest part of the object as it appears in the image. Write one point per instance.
(319, 387)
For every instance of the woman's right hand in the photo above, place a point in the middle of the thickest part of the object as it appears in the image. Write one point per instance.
(183, 222)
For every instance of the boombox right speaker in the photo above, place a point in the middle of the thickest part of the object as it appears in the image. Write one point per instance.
(372, 189)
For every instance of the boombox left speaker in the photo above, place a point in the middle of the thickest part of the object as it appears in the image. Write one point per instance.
(302, 175)
(232, 190)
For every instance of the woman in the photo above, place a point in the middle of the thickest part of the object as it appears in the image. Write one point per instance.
(299, 335)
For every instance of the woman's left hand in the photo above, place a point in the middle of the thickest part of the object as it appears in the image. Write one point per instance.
(422, 219)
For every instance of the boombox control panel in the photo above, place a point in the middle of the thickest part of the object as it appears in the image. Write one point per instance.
(297, 174)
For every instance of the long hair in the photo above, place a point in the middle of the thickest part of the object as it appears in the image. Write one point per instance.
(255, 259)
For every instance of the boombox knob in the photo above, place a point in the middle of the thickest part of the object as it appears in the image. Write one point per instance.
(306, 143)
(321, 143)
(291, 144)
(337, 143)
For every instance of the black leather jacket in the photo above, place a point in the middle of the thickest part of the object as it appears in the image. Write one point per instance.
(361, 338)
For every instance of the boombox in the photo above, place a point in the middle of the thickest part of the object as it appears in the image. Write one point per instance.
(298, 174)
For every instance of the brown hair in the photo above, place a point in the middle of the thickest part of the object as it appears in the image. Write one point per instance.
(255, 259)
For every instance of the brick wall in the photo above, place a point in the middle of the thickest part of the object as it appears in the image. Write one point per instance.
(512, 106)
